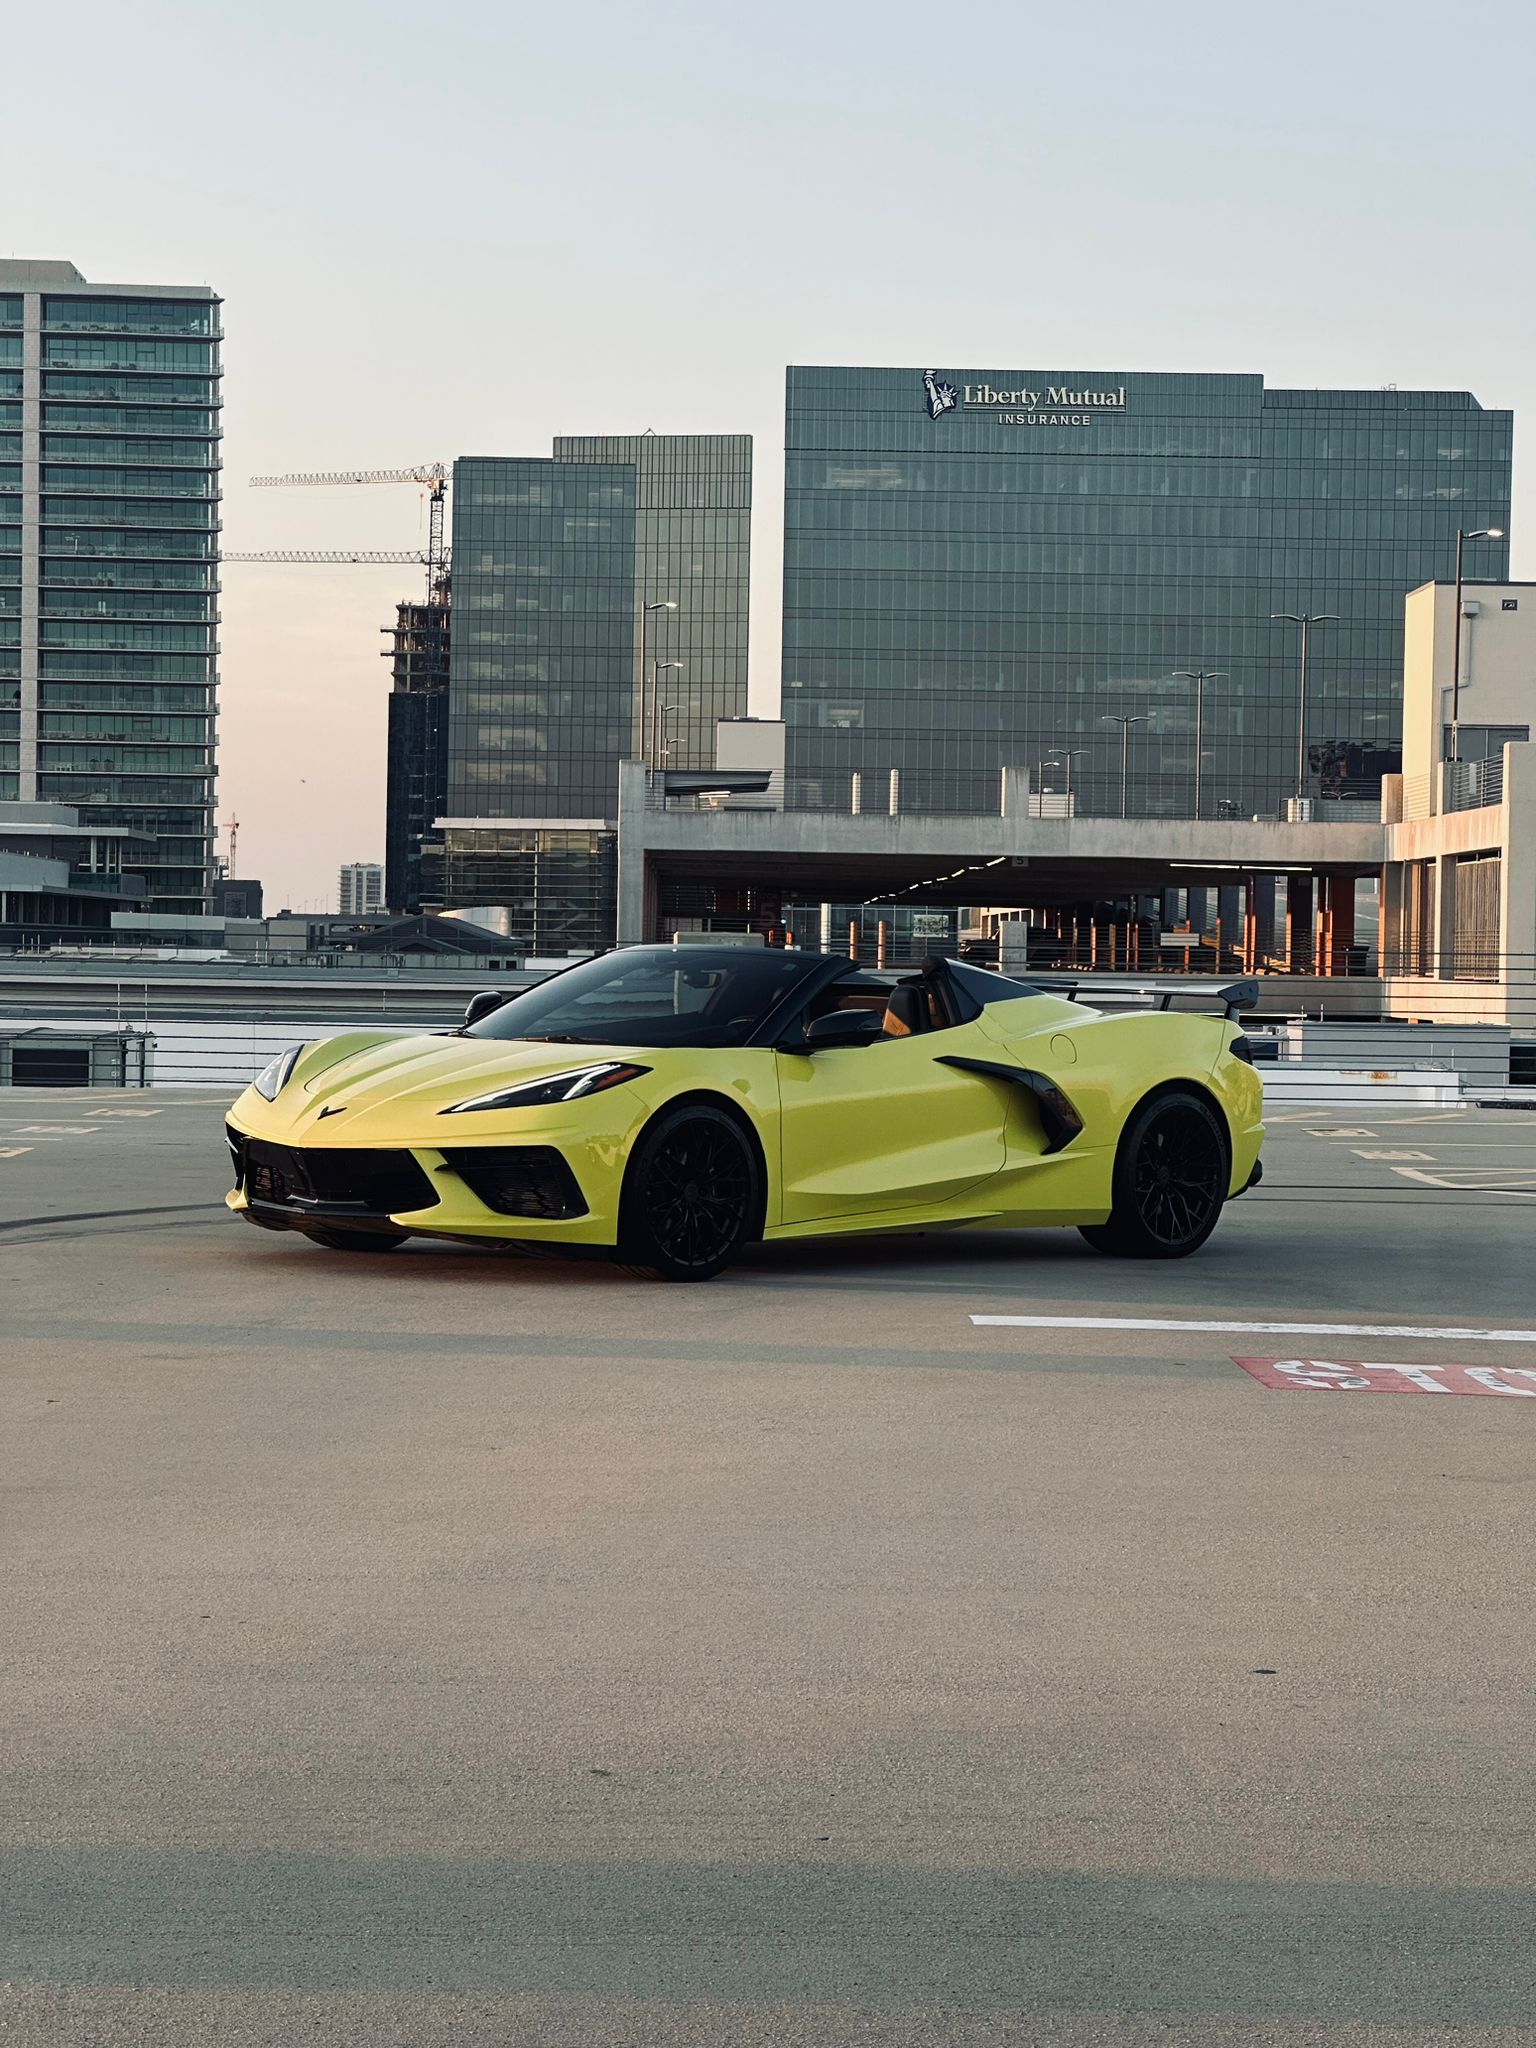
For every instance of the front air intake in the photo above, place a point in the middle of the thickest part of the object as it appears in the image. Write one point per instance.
(520, 1180)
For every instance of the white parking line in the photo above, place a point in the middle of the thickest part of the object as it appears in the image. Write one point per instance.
(1467, 1187)
(1460, 1336)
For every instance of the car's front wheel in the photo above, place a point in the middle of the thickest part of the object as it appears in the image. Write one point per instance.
(1170, 1180)
(692, 1195)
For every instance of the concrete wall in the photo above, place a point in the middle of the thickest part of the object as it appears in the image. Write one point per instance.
(1239, 844)
(1498, 667)
(1517, 902)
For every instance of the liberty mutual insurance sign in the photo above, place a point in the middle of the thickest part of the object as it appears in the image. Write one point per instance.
(1058, 405)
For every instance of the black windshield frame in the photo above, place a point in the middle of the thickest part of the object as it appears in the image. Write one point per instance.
(784, 981)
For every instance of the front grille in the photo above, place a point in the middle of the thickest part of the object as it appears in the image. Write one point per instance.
(377, 1183)
(520, 1180)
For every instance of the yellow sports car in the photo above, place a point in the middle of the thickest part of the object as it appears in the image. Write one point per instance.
(669, 1105)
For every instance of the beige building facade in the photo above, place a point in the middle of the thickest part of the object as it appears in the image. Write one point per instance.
(1458, 906)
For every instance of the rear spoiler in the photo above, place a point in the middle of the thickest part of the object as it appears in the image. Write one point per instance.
(1236, 997)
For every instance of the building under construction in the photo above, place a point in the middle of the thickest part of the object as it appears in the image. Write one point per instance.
(416, 785)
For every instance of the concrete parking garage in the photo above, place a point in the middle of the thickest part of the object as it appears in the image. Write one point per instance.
(455, 1649)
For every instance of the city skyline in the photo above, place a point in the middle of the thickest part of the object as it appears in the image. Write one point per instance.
(825, 212)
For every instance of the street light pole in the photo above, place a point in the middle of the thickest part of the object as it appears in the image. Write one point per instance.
(1199, 677)
(1066, 757)
(1125, 723)
(660, 604)
(656, 708)
(1477, 533)
(1306, 621)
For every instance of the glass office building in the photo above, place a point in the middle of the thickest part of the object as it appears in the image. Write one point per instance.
(542, 662)
(109, 520)
(553, 560)
(693, 515)
(987, 568)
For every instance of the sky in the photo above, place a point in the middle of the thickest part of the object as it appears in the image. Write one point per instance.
(463, 229)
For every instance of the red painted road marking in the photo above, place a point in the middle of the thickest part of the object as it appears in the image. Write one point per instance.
(1355, 1376)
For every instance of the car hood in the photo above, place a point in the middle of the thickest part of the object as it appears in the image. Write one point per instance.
(369, 1077)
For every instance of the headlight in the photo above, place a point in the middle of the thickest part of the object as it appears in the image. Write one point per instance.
(568, 1086)
(273, 1077)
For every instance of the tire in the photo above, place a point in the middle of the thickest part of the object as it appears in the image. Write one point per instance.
(692, 1195)
(341, 1240)
(1172, 1168)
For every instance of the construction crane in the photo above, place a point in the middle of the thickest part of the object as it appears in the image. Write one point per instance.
(366, 557)
(433, 474)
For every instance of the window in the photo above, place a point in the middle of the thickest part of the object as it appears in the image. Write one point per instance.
(683, 995)
(134, 316)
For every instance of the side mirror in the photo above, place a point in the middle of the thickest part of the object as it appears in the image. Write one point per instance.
(481, 1005)
(844, 1027)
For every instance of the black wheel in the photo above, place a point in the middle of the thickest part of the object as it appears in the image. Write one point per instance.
(1171, 1174)
(692, 1195)
(342, 1240)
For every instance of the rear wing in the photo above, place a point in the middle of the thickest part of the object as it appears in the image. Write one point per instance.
(1236, 997)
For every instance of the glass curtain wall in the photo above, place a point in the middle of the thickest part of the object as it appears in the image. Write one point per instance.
(12, 311)
(693, 517)
(985, 569)
(542, 666)
(120, 653)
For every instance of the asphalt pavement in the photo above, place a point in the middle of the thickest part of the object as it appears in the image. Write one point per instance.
(445, 1648)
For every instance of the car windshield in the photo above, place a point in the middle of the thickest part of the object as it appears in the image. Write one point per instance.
(654, 995)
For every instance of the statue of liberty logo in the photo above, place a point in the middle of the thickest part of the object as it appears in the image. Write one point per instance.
(941, 397)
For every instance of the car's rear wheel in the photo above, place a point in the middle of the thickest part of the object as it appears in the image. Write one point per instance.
(341, 1240)
(1170, 1180)
(692, 1195)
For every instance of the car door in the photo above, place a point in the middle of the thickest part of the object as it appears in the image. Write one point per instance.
(865, 1128)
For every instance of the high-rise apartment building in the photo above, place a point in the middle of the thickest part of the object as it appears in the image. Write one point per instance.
(109, 522)
(360, 888)
(571, 575)
(985, 568)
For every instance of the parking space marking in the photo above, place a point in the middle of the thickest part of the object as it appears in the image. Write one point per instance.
(1359, 1376)
(56, 1130)
(1473, 1187)
(13, 1151)
(1438, 1116)
(1265, 1329)
(1361, 1153)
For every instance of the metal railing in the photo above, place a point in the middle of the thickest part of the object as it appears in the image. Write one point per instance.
(892, 792)
(1367, 1031)
(1473, 785)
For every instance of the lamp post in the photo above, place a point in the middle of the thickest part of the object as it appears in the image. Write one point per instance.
(1477, 533)
(1199, 677)
(1306, 621)
(1125, 723)
(660, 604)
(1065, 759)
(657, 668)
